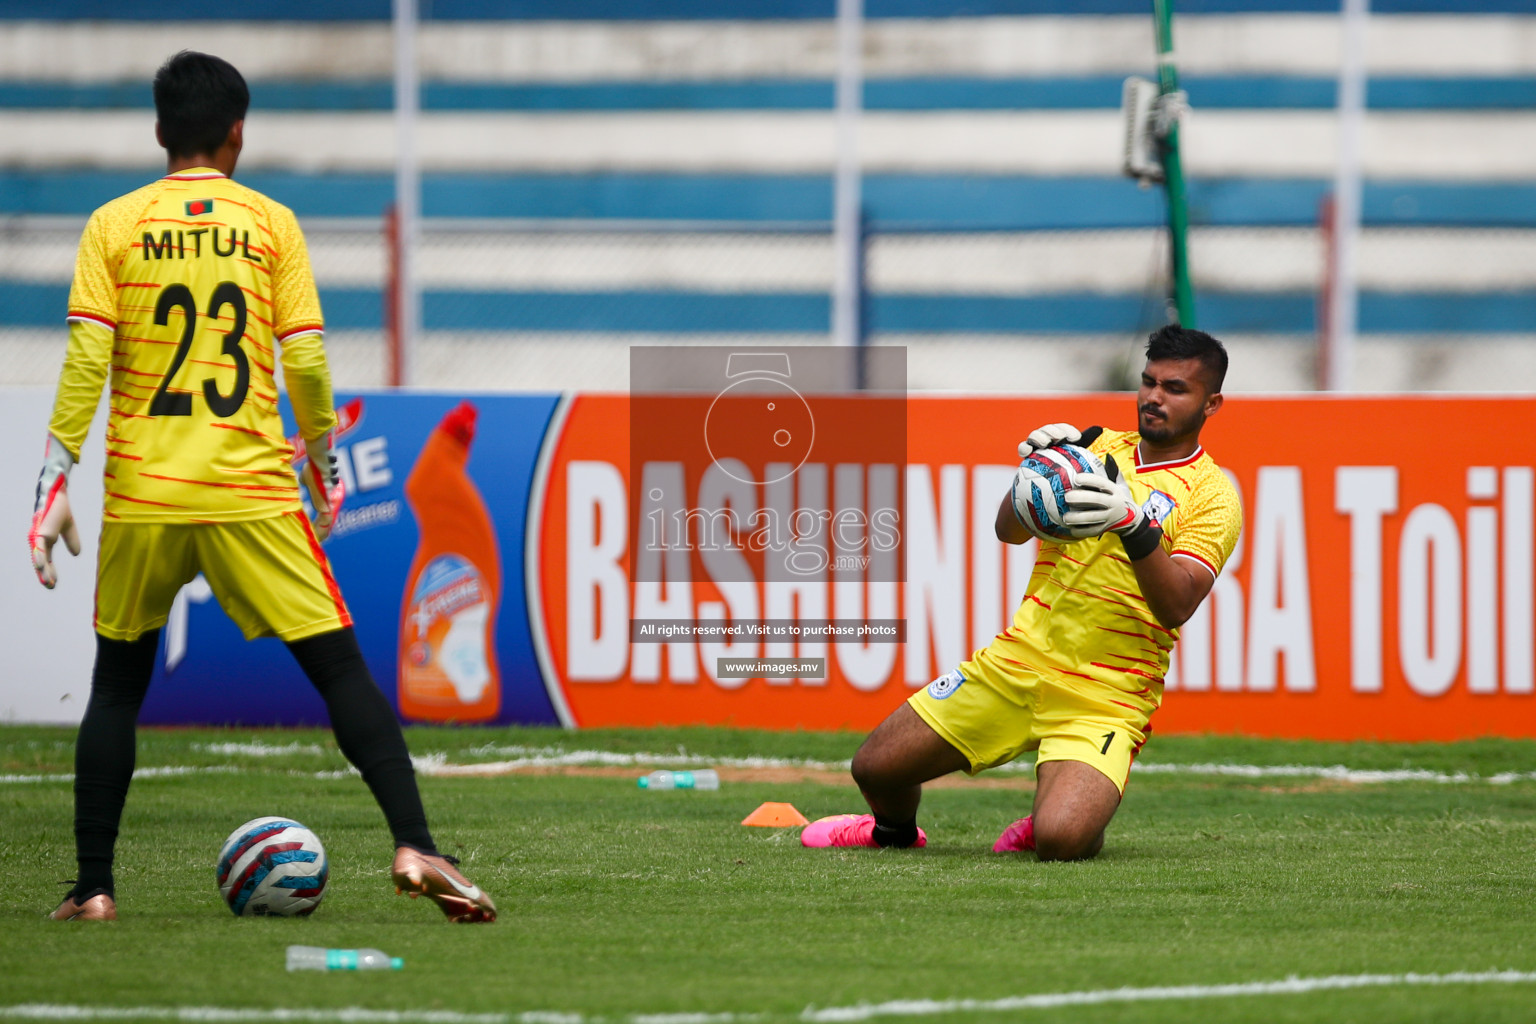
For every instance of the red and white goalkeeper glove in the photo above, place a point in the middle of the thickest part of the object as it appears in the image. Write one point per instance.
(1103, 504)
(323, 482)
(51, 518)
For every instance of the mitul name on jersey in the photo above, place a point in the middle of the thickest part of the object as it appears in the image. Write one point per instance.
(174, 244)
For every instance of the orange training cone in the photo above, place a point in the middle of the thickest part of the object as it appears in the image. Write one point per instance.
(775, 815)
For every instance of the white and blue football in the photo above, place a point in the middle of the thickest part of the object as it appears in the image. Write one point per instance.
(272, 866)
(1041, 484)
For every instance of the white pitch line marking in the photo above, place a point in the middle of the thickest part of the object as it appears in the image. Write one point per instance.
(559, 755)
(811, 1015)
(552, 757)
(437, 763)
(258, 749)
(140, 773)
(1337, 772)
(1288, 986)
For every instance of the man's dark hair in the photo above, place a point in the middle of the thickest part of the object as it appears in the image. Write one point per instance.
(198, 97)
(1175, 342)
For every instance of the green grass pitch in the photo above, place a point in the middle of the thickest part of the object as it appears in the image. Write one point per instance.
(617, 903)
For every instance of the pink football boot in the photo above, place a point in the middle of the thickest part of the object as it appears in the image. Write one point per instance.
(1017, 838)
(847, 830)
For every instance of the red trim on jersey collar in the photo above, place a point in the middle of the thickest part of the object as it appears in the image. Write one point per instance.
(1199, 451)
(201, 176)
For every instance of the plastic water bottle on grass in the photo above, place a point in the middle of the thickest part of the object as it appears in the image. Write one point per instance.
(318, 958)
(706, 778)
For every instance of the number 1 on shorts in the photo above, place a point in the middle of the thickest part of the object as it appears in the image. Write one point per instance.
(1109, 738)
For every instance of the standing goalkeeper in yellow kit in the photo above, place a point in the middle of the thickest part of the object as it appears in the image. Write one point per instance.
(186, 293)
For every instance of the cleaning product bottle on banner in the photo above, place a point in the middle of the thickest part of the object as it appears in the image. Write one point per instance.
(448, 619)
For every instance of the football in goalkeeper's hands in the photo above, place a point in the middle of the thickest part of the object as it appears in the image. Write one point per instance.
(1041, 484)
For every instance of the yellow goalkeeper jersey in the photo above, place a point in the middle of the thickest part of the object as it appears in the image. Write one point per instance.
(1083, 616)
(184, 290)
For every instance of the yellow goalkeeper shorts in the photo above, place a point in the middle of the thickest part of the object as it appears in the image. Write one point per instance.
(992, 711)
(269, 575)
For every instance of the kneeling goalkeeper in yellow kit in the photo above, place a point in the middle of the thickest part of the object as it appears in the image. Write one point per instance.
(1078, 673)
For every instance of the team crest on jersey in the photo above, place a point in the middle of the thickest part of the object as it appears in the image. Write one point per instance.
(199, 206)
(946, 684)
(1158, 507)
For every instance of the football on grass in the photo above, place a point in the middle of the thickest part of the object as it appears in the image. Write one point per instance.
(1041, 484)
(272, 866)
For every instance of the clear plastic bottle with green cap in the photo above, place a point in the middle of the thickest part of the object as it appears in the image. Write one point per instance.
(706, 778)
(318, 958)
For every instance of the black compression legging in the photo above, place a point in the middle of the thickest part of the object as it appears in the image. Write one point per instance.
(105, 751)
(364, 724)
(366, 731)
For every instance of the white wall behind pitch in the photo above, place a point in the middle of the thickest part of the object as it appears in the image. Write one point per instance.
(45, 663)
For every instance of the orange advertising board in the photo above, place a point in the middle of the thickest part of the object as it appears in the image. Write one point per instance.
(1382, 587)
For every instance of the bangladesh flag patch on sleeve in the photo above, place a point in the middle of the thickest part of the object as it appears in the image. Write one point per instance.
(197, 206)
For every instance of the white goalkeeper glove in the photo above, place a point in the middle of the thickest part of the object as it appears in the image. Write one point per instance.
(321, 480)
(1103, 504)
(51, 518)
(1053, 434)
(1047, 436)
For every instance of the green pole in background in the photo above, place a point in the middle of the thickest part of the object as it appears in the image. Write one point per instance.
(1173, 168)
